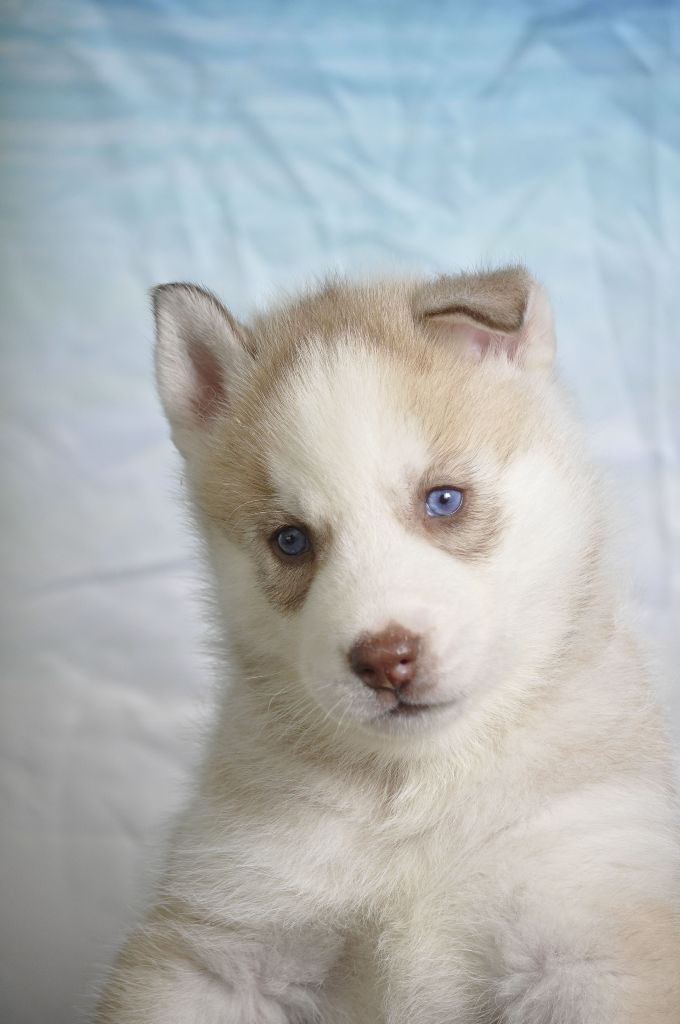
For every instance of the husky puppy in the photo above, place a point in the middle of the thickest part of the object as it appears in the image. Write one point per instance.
(438, 789)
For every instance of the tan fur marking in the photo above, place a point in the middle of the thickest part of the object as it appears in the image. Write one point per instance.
(470, 533)
(287, 582)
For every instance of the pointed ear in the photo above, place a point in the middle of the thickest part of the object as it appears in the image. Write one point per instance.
(502, 311)
(201, 352)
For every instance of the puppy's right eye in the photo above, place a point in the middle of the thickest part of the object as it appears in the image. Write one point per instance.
(291, 541)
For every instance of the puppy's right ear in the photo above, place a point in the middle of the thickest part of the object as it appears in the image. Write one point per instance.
(201, 354)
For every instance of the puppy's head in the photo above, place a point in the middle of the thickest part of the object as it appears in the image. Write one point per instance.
(399, 515)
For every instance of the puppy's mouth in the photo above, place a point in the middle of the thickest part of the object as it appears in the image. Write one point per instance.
(407, 709)
(402, 709)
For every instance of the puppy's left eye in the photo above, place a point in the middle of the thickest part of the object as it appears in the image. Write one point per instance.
(443, 501)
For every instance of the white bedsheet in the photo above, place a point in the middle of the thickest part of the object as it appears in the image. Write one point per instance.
(249, 146)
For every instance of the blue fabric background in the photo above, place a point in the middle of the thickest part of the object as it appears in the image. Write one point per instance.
(250, 147)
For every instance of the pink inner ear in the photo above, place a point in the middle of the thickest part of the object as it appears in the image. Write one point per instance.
(479, 341)
(209, 383)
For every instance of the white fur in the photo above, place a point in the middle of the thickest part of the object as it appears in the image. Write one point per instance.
(491, 864)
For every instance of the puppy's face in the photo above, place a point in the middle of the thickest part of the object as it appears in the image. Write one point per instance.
(397, 518)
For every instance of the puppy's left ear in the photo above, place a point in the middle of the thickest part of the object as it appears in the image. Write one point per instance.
(202, 355)
(502, 312)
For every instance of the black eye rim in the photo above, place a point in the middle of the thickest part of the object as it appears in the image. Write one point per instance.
(444, 487)
(290, 556)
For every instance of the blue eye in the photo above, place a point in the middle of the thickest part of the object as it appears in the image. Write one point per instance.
(292, 540)
(443, 501)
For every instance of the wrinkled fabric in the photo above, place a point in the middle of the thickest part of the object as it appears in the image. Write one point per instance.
(251, 147)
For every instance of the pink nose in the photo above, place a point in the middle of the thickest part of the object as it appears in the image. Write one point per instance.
(387, 660)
